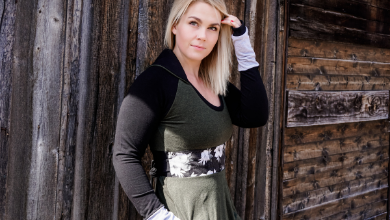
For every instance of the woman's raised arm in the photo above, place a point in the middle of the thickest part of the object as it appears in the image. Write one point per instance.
(248, 108)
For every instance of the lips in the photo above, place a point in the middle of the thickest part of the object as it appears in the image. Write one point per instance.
(198, 46)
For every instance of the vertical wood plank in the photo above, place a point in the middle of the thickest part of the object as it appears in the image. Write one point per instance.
(68, 114)
(47, 76)
(7, 31)
(20, 127)
(236, 8)
(103, 81)
(258, 18)
(81, 167)
(277, 188)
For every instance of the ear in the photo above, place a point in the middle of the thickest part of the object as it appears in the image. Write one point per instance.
(174, 29)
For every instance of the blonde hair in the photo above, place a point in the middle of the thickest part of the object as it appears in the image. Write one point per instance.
(219, 60)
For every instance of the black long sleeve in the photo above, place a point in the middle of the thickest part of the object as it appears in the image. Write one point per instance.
(147, 101)
(248, 108)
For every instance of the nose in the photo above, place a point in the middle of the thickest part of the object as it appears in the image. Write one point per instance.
(201, 34)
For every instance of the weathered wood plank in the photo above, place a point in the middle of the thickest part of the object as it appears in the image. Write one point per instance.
(306, 29)
(105, 61)
(321, 15)
(7, 33)
(307, 108)
(376, 210)
(325, 149)
(332, 82)
(342, 190)
(46, 108)
(277, 13)
(332, 177)
(306, 65)
(385, 4)
(20, 142)
(327, 162)
(253, 17)
(340, 205)
(69, 108)
(349, 7)
(335, 50)
(382, 216)
(82, 156)
(302, 135)
(256, 160)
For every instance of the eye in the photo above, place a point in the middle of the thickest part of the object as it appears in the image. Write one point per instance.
(215, 29)
(193, 22)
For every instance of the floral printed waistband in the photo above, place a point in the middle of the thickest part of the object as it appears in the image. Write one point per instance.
(192, 163)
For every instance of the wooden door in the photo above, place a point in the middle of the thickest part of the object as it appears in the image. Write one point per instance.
(335, 152)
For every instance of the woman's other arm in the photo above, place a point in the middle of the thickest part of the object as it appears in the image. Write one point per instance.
(248, 108)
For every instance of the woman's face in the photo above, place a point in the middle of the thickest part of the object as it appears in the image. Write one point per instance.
(199, 26)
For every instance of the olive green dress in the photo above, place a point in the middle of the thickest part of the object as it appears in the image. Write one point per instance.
(191, 124)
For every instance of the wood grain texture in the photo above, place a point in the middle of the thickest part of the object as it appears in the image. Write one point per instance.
(325, 162)
(341, 190)
(253, 20)
(69, 108)
(376, 3)
(317, 49)
(307, 108)
(332, 177)
(46, 108)
(342, 19)
(332, 82)
(352, 8)
(335, 170)
(328, 148)
(7, 32)
(379, 217)
(306, 29)
(303, 65)
(278, 155)
(337, 206)
(102, 96)
(264, 15)
(20, 121)
(376, 210)
(302, 135)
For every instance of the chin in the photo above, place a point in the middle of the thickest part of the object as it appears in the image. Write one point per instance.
(195, 56)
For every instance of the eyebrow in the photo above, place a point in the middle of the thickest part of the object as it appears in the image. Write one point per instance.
(198, 19)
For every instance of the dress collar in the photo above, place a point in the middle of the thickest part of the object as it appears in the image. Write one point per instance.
(168, 60)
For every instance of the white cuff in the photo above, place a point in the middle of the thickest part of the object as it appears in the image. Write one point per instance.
(163, 214)
(246, 57)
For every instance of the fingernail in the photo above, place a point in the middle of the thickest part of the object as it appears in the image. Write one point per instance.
(231, 20)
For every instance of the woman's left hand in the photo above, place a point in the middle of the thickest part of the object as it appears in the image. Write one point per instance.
(232, 21)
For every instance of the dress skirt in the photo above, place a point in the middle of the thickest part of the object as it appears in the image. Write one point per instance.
(197, 198)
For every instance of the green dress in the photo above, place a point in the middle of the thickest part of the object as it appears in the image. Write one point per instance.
(200, 197)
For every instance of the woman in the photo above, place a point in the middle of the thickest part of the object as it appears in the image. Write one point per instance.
(184, 107)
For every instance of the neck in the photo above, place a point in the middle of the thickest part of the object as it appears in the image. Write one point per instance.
(190, 67)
